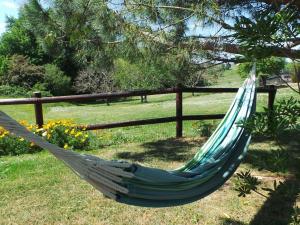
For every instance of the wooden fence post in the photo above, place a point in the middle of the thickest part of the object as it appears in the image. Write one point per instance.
(179, 111)
(38, 108)
(271, 99)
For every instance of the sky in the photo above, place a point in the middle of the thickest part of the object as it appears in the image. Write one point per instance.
(8, 8)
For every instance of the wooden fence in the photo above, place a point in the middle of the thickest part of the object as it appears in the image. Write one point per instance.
(37, 100)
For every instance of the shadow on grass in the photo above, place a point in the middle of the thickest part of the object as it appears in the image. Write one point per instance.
(278, 207)
(274, 160)
(227, 221)
(167, 150)
(284, 159)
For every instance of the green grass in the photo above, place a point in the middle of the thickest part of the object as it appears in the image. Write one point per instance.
(38, 189)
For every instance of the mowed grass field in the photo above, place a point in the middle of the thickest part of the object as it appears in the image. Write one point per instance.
(38, 189)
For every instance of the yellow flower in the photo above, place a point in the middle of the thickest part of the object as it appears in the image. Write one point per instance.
(66, 146)
(78, 134)
(21, 139)
(31, 144)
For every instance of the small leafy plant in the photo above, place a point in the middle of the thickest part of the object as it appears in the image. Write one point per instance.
(205, 129)
(244, 183)
(272, 123)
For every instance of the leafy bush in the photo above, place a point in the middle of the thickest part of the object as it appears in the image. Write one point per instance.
(3, 66)
(16, 91)
(13, 91)
(93, 80)
(56, 81)
(11, 145)
(284, 116)
(205, 129)
(59, 132)
(21, 72)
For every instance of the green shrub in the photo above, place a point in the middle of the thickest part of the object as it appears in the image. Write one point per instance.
(56, 81)
(40, 87)
(10, 145)
(205, 128)
(13, 91)
(272, 123)
(16, 91)
(21, 72)
(3, 67)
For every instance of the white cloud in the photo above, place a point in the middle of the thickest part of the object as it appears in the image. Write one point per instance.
(10, 5)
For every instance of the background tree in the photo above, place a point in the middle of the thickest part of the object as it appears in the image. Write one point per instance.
(73, 33)
(243, 29)
(19, 40)
(265, 68)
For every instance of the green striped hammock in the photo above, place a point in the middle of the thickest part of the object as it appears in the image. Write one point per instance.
(134, 184)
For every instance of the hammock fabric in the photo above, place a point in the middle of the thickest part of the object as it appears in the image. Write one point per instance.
(134, 184)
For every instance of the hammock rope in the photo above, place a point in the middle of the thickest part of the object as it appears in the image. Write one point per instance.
(134, 184)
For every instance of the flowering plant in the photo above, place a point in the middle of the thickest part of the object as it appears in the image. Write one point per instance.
(63, 133)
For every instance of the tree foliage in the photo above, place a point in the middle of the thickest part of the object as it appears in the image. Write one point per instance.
(267, 66)
(162, 42)
(256, 29)
(93, 80)
(19, 40)
(73, 33)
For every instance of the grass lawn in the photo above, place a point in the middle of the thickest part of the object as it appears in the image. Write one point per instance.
(38, 189)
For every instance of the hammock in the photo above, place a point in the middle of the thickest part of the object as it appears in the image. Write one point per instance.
(134, 184)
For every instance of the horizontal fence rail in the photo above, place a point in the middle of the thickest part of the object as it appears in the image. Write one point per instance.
(89, 97)
(37, 100)
(151, 121)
